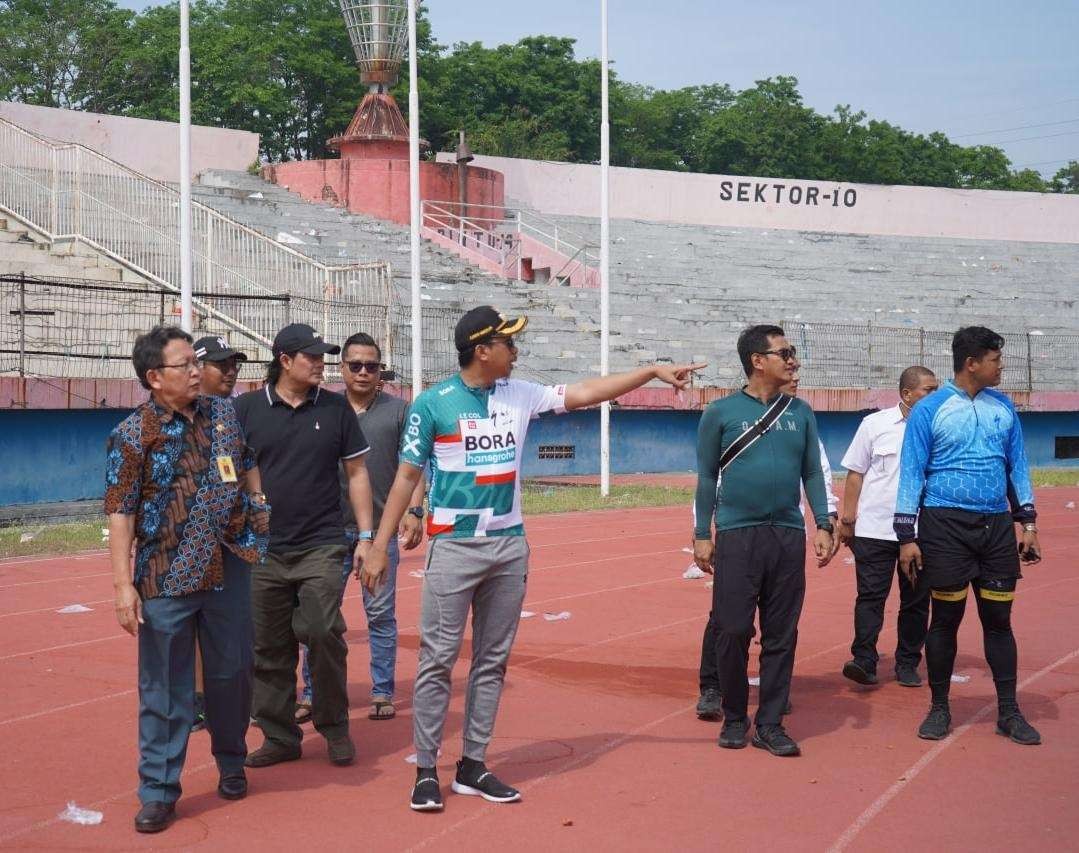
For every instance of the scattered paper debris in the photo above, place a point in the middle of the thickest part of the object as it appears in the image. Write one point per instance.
(417, 573)
(256, 195)
(754, 681)
(26, 537)
(709, 584)
(960, 679)
(555, 617)
(75, 608)
(1069, 505)
(812, 781)
(105, 534)
(687, 550)
(412, 759)
(527, 614)
(83, 817)
(693, 572)
(849, 561)
(285, 237)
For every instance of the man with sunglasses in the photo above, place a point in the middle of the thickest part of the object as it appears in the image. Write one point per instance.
(471, 429)
(300, 434)
(181, 485)
(382, 418)
(759, 548)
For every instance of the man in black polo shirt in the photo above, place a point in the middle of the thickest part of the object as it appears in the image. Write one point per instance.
(299, 433)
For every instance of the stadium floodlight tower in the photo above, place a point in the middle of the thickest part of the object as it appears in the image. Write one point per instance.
(378, 30)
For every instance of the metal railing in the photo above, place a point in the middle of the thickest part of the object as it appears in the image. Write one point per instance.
(836, 355)
(67, 192)
(494, 232)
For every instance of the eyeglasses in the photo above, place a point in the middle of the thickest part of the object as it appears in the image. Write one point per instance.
(508, 341)
(189, 366)
(370, 366)
(786, 354)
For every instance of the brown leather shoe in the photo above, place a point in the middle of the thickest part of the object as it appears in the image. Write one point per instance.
(342, 750)
(273, 753)
(154, 817)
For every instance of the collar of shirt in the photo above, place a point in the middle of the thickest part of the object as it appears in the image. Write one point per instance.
(897, 414)
(273, 398)
(202, 406)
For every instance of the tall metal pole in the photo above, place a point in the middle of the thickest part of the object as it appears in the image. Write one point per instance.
(185, 168)
(604, 260)
(414, 200)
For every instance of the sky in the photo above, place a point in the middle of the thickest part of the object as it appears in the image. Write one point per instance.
(997, 72)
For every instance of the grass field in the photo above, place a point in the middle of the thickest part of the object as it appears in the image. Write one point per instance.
(21, 541)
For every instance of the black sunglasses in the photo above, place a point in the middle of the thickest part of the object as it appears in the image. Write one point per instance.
(369, 366)
(508, 341)
(787, 353)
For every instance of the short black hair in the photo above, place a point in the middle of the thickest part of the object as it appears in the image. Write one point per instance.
(362, 339)
(273, 368)
(912, 377)
(973, 342)
(465, 357)
(755, 340)
(146, 355)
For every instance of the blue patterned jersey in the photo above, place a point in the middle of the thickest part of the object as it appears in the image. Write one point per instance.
(963, 453)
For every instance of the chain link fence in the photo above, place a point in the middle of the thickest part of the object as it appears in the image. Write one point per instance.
(74, 328)
(836, 355)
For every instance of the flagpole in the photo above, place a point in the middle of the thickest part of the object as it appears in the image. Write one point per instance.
(186, 318)
(414, 200)
(604, 259)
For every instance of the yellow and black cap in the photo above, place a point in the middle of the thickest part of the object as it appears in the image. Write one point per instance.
(481, 324)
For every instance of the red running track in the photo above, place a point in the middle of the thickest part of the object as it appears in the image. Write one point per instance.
(597, 725)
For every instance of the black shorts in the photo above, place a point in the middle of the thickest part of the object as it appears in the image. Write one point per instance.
(959, 547)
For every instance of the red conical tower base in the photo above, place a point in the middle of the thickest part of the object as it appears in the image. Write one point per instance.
(377, 131)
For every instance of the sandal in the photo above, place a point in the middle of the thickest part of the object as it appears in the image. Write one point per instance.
(382, 709)
(303, 711)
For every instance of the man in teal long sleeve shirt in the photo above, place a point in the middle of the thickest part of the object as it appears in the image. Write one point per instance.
(760, 534)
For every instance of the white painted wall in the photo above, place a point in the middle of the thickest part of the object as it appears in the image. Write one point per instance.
(149, 147)
(730, 201)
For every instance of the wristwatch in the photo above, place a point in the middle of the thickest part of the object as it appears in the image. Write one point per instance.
(366, 535)
(416, 511)
(826, 526)
(1030, 527)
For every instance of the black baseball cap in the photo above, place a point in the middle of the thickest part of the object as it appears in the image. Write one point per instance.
(481, 324)
(214, 348)
(299, 337)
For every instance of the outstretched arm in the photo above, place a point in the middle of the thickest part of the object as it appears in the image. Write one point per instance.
(599, 389)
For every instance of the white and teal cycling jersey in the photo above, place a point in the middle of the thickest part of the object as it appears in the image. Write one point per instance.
(474, 438)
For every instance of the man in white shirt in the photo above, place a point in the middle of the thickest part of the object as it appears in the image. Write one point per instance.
(872, 463)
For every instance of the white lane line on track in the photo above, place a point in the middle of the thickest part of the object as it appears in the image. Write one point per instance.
(68, 707)
(56, 580)
(116, 636)
(878, 805)
(76, 555)
(51, 609)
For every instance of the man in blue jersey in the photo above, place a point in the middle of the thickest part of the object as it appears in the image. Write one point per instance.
(470, 429)
(964, 480)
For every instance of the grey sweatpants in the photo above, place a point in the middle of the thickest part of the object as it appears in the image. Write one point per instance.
(487, 574)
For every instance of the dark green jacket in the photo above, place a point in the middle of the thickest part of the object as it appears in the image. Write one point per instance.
(762, 485)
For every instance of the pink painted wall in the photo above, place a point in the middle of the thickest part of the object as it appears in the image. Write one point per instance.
(748, 202)
(380, 187)
(29, 393)
(149, 147)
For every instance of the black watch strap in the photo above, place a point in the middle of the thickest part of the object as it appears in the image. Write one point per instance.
(416, 511)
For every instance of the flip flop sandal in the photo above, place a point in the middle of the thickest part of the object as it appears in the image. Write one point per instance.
(303, 711)
(382, 709)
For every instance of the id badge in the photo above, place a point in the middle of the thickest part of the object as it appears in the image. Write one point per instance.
(226, 469)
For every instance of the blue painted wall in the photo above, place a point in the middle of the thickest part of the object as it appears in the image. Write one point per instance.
(58, 455)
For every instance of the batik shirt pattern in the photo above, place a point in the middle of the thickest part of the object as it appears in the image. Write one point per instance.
(163, 469)
(474, 439)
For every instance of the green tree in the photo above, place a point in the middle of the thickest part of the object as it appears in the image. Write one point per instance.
(1066, 180)
(55, 53)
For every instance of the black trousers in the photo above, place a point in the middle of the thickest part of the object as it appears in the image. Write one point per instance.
(296, 598)
(875, 563)
(757, 568)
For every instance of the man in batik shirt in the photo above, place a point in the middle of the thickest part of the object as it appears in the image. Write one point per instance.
(182, 486)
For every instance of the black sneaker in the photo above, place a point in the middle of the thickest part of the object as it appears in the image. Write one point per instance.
(475, 780)
(200, 713)
(937, 723)
(710, 705)
(859, 673)
(907, 676)
(776, 741)
(1015, 727)
(733, 734)
(426, 794)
